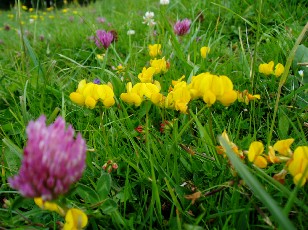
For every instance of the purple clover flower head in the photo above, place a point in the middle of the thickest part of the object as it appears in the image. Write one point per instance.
(53, 160)
(182, 27)
(101, 20)
(103, 38)
(96, 81)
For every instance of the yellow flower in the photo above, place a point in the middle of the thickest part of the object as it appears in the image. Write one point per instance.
(31, 10)
(24, 7)
(147, 75)
(204, 51)
(137, 93)
(51, 16)
(160, 65)
(246, 97)
(298, 166)
(272, 156)
(100, 57)
(75, 219)
(266, 68)
(105, 94)
(256, 148)
(283, 146)
(65, 10)
(33, 16)
(11, 16)
(50, 9)
(155, 50)
(179, 97)
(50, 206)
(89, 94)
(211, 87)
(279, 68)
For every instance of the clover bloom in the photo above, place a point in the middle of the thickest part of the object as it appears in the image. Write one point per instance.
(103, 38)
(164, 2)
(298, 166)
(131, 32)
(255, 151)
(75, 219)
(266, 68)
(204, 51)
(53, 160)
(101, 20)
(155, 50)
(182, 27)
(148, 18)
(279, 69)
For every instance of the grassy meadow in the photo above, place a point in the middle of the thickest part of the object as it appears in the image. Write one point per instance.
(196, 155)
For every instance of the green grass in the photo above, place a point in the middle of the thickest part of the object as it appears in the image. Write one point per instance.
(158, 170)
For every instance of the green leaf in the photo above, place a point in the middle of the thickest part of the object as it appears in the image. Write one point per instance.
(87, 194)
(257, 187)
(109, 206)
(103, 186)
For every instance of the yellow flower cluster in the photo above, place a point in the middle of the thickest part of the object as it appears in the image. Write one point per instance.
(268, 68)
(212, 88)
(74, 218)
(89, 94)
(209, 87)
(296, 163)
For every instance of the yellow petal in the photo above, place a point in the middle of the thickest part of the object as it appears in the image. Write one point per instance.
(50, 206)
(209, 98)
(279, 69)
(77, 98)
(75, 219)
(256, 148)
(204, 51)
(297, 179)
(260, 162)
(266, 68)
(131, 98)
(228, 98)
(90, 102)
(283, 146)
(109, 101)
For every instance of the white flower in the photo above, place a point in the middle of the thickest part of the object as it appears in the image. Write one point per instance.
(148, 18)
(148, 15)
(164, 2)
(301, 73)
(31, 20)
(130, 32)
